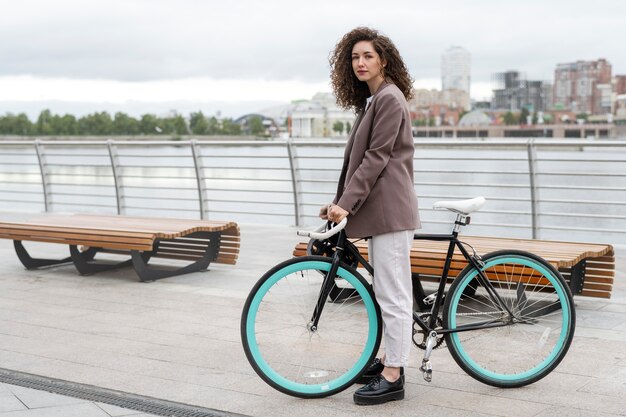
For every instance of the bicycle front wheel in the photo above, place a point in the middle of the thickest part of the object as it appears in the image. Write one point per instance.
(284, 349)
(521, 330)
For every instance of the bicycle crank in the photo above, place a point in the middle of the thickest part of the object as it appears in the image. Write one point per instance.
(420, 336)
(426, 368)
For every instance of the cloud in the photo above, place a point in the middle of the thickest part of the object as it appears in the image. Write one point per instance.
(277, 40)
(129, 52)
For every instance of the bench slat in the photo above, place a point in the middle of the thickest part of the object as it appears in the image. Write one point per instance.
(428, 258)
(121, 234)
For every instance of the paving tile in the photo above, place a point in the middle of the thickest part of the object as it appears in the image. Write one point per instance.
(481, 403)
(38, 399)
(570, 412)
(73, 410)
(9, 402)
(115, 411)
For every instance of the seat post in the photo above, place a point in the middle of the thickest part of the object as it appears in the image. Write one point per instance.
(461, 220)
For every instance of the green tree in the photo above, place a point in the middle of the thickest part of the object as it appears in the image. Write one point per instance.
(348, 127)
(198, 124)
(214, 126)
(523, 117)
(509, 118)
(124, 124)
(43, 127)
(149, 125)
(255, 124)
(63, 125)
(174, 125)
(20, 124)
(99, 123)
(338, 126)
(229, 127)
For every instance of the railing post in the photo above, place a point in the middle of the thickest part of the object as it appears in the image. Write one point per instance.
(41, 157)
(294, 181)
(197, 163)
(117, 179)
(534, 191)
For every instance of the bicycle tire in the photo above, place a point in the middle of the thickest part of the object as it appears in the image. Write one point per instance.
(286, 353)
(529, 347)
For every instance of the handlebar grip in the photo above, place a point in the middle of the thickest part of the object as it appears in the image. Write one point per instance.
(316, 234)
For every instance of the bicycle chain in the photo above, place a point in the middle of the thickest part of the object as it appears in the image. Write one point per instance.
(417, 331)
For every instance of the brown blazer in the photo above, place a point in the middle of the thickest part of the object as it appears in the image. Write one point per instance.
(376, 182)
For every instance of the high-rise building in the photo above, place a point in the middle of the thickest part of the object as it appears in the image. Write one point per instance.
(581, 86)
(619, 82)
(514, 92)
(455, 69)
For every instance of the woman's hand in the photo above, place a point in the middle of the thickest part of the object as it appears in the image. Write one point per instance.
(324, 211)
(333, 212)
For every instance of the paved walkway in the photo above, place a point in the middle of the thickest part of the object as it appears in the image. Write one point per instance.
(178, 340)
(18, 401)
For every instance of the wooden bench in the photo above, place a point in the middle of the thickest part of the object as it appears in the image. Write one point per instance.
(588, 268)
(198, 241)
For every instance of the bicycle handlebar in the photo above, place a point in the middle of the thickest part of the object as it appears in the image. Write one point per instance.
(316, 234)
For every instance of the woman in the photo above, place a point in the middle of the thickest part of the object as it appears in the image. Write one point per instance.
(376, 193)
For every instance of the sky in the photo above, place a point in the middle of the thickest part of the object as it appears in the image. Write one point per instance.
(240, 56)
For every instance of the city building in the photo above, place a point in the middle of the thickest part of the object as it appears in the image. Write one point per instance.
(514, 92)
(434, 107)
(581, 86)
(455, 69)
(454, 99)
(596, 131)
(319, 117)
(619, 84)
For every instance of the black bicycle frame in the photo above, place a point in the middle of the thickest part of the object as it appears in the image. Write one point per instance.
(343, 245)
(481, 278)
(344, 248)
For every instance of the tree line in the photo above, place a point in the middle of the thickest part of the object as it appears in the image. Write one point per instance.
(102, 123)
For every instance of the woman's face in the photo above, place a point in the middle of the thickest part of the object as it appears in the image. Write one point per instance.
(366, 62)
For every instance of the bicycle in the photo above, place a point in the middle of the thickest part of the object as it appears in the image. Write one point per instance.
(311, 325)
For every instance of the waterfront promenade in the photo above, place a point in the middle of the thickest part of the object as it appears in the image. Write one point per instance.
(178, 340)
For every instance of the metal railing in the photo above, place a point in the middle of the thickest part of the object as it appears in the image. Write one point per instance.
(550, 189)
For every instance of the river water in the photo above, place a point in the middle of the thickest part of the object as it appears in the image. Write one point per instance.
(580, 190)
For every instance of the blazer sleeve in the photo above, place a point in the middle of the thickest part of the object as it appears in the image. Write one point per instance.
(385, 129)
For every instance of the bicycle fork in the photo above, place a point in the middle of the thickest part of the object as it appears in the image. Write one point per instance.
(327, 285)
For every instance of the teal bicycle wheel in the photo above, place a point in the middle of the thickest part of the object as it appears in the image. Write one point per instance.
(519, 348)
(284, 349)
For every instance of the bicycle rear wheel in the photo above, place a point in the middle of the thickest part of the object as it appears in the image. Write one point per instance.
(280, 344)
(525, 347)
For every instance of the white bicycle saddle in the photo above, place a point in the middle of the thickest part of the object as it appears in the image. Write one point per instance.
(464, 207)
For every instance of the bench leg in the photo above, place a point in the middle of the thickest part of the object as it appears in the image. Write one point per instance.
(147, 273)
(577, 277)
(419, 294)
(83, 261)
(33, 263)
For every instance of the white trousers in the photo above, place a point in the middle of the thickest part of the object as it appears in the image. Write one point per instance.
(390, 255)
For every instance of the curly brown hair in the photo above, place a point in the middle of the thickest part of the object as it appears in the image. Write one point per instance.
(349, 91)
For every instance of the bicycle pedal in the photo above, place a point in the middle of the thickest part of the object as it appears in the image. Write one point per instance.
(427, 371)
(430, 299)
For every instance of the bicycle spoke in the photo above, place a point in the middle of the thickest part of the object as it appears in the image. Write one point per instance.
(297, 358)
(529, 344)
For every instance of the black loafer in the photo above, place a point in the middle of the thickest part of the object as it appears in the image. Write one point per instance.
(379, 391)
(373, 370)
